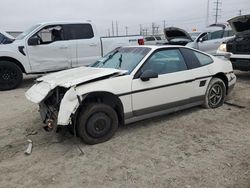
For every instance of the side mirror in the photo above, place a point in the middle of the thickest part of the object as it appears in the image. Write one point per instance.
(201, 39)
(33, 41)
(146, 75)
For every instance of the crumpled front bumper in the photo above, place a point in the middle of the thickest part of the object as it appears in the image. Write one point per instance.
(38, 92)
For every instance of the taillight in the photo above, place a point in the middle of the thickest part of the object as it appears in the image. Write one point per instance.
(141, 41)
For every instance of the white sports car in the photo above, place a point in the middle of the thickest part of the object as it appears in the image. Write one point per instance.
(130, 84)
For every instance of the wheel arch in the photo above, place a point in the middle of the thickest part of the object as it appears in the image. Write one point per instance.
(13, 60)
(223, 77)
(106, 98)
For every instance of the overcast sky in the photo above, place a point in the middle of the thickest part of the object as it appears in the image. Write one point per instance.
(188, 14)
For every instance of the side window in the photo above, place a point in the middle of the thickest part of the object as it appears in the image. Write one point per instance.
(158, 38)
(203, 36)
(195, 59)
(149, 38)
(190, 58)
(79, 31)
(226, 33)
(216, 34)
(203, 59)
(50, 34)
(230, 33)
(165, 61)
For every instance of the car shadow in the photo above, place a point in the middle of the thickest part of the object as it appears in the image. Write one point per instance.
(28, 81)
(68, 137)
(245, 76)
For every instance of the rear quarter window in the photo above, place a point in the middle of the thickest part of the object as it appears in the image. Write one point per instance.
(195, 59)
(203, 59)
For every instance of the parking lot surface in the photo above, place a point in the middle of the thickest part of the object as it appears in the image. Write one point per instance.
(192, 148)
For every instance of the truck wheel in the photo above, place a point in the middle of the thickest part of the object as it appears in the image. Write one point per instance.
(97, 123)
(10, 75)
(215, 94)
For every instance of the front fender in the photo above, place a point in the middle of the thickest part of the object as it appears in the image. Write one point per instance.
(69, 105)
(23, 59)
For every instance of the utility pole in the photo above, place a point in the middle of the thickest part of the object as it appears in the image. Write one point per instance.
(240, 11)
(207, 19)
(109, 32)
(164, 24)
(145, 32)
(126, 28)
(113, 31)
(116, 23)
(153, 28)
(140, 29)
(157, 30)
(217, 9)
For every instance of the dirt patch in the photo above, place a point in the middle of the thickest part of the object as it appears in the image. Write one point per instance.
(192, 148)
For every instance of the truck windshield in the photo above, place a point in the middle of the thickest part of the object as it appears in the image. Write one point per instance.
(1, 37)
(25, 33)
(126, 58)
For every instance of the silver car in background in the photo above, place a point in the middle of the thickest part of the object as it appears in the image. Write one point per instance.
(207, 41)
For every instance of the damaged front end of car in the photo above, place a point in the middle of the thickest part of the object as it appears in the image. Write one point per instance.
(57, 104)
(49, 108)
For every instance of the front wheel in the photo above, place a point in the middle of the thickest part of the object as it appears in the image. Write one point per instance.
(215, 94)
(97, 123)
(10, 75)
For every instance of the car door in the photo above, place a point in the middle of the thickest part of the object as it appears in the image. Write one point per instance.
(88, 47)
(172, 87)
(52, 52)
(211, 42)
(198, 64)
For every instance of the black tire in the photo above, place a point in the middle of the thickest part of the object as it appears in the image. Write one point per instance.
(215, 94)
(97, 123)
(11, 75)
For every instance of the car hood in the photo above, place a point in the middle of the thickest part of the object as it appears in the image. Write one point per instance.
(67, 79)
(77, 76)
(240, 24)
(7, 35)
(7, 39)
(175, 32)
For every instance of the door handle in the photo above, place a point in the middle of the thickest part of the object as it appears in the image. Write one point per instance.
(93, 44)
(63, 47)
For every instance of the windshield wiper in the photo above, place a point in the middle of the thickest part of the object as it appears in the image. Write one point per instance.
(120, 61)
(109, 57)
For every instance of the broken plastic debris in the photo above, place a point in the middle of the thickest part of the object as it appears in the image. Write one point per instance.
(29, 149)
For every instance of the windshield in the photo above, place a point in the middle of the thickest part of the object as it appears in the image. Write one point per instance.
(1, 37)
(25, 33)
(126, 58)
(194, 35)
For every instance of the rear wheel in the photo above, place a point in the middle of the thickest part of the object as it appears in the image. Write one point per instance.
(10, 75)
(97, 123)
(215, 94)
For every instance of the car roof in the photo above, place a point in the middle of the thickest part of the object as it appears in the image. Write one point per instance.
(65, 22)
(155, 47)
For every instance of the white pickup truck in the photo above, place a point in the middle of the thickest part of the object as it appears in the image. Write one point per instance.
(54, 46)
